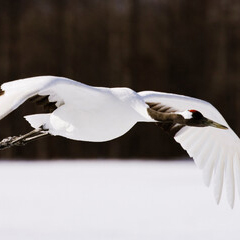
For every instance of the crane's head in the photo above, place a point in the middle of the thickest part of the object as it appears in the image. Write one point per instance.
(196, 119)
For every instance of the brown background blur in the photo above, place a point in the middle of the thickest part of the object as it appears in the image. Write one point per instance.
(181, 46)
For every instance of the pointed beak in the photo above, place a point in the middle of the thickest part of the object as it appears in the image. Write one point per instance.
(215, 124)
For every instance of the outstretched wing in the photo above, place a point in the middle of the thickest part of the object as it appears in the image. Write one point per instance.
(214, 150)
(49, 91)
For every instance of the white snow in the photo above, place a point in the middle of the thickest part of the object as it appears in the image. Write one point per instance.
(111, 200)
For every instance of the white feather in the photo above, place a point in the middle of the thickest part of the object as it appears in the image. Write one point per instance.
(236, 161)
(186, 138)
(196, 148)
(209, 166)
(219, 175)
(230, 185)
(205, 152)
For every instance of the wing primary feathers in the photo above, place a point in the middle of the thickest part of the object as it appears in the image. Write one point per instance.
(205, 150)
(195, 148)
(219, 175)
(237, 170)
(209, 166)
(187, 138)
(230, 186)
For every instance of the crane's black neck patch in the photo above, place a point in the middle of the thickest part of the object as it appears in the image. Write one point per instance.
(196, 115)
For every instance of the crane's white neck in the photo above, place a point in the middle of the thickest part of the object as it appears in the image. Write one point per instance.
(186, 114)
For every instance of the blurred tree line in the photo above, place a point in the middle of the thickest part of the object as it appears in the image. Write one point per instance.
(181, 46)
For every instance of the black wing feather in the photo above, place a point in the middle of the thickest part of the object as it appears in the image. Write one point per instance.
(43, 101)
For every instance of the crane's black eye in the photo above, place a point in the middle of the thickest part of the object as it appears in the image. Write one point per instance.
(197, 115)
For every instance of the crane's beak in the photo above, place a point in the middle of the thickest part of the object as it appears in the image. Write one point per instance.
(215, 124)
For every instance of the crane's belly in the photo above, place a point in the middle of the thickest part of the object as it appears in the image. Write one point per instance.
(95, 125)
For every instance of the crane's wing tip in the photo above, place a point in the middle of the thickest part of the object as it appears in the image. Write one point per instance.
(231, 205)
(217, 157)
(217, 198)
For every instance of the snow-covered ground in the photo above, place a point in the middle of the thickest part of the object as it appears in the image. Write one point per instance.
(111, 200)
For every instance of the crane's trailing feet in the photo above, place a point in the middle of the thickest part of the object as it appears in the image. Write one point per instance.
(22, 139)
(9, 142)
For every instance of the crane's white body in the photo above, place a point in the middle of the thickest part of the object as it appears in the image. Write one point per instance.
(86, 113)
(100, 114)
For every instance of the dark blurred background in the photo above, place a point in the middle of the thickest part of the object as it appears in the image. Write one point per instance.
(180, 46)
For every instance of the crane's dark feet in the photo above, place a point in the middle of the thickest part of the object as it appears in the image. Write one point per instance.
(11, 141)
(22, 139)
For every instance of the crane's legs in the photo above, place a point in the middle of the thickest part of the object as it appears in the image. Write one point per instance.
(23, 139)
